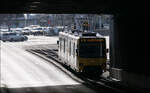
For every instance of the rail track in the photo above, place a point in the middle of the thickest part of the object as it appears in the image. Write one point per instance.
(95, 83)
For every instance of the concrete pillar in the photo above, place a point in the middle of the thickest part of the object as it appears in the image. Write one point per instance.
(128, 44)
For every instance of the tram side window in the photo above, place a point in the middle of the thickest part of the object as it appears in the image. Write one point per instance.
(70, 48)
(73, 49)
(60, 44)
(64, 45)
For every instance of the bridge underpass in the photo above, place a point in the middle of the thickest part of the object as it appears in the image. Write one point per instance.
(128, 46)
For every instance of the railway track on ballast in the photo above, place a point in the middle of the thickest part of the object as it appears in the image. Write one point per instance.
(95, 83)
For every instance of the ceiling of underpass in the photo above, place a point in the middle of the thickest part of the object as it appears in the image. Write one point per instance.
(74, 6)
(60, 6)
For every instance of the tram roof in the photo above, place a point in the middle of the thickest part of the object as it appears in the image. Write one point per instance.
(79, 35)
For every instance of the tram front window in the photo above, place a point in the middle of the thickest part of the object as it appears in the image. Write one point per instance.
(92, 50)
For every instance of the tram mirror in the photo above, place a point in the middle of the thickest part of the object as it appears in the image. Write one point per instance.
(57, 42)
(107, 50)
(77, 52)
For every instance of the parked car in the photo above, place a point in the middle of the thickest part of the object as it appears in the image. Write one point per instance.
(37, 31)
(26, 31)
(48, 31)
(2, 31)
(13, 37)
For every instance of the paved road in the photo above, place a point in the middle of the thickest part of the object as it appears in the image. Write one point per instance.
(22, 72)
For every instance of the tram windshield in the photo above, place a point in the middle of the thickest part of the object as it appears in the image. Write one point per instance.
(92, 49)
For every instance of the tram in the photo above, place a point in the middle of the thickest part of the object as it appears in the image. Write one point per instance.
(83, 52)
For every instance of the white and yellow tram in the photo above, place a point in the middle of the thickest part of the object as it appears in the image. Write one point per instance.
(83, 52)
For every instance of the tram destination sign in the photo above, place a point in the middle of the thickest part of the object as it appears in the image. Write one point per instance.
(91, 40)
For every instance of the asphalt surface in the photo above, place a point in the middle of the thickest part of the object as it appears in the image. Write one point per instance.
(23, 72)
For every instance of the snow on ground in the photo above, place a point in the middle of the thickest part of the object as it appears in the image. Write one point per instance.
(22, 69)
